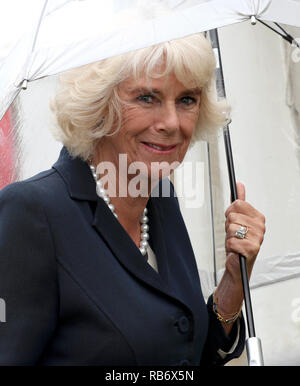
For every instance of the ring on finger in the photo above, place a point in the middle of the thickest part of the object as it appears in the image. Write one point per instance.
(241, 232)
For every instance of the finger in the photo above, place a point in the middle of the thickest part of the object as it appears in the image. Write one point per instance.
(233, 228)
(241, 191)
(243, 207)
(256, 224)
(247, 248)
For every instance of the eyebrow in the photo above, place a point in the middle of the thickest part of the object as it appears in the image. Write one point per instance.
(194, 92)
(144, 90)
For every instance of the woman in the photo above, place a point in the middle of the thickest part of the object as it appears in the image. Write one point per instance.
(95, 276)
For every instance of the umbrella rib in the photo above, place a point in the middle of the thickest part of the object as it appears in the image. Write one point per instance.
(291, 38)
(39, 25)
(286, 37)
(273, 29)
(25, 80)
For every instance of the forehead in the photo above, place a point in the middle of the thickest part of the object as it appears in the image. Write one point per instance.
(160, 84)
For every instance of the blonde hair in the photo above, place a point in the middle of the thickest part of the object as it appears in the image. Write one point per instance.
(87, 105)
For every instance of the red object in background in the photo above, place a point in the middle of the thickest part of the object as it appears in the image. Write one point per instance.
(6, 150)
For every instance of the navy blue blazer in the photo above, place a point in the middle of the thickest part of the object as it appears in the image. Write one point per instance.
(78, 291)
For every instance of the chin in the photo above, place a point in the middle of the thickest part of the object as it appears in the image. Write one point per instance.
(160, 173)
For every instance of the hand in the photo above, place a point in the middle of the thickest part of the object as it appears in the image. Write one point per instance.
(240, 213)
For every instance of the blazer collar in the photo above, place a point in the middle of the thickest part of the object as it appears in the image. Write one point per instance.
(125, 250)
(81, 185)
(77, 176)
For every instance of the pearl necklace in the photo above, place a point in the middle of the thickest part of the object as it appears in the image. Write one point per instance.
(101, 192)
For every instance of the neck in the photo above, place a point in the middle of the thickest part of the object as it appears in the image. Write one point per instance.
(130, 211)
(128, 198)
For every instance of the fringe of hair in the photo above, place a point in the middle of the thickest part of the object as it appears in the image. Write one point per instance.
(87, 105)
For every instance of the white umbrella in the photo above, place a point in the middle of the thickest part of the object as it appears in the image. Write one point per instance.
(97, 29)
(68, 34)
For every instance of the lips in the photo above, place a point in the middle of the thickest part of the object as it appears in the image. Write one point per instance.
(159, 147)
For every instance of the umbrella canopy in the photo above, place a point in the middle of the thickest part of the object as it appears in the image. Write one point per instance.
(68, 34)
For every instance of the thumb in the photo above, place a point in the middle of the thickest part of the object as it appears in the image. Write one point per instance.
(241, 191)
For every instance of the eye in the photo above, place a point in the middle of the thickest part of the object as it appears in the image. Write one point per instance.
(188, 101)
(146, 98)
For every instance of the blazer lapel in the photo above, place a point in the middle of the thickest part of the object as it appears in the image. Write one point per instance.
(125, 250)
(81, 186)
(157, 241)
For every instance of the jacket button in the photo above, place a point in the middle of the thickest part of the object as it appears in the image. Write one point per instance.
(183, 325)
(184, 362)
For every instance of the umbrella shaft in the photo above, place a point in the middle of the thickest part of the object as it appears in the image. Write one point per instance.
(232, 180)
(248, 308)
(243, 266)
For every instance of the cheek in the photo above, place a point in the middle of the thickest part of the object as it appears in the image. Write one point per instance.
(182, 151)
(195, 117)
(187, 128)
(190, 117)
(134, 117)
(189, 124)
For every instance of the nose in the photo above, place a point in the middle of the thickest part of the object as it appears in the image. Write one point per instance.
(168, 119)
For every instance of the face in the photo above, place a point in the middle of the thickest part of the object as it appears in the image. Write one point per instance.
(159, 118)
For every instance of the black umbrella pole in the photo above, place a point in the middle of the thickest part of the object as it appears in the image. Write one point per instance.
(244, 272)
(253, 344)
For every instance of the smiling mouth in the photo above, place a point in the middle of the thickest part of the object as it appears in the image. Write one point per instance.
(161, 148)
